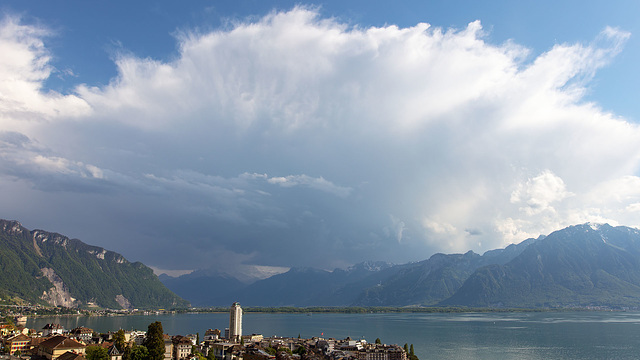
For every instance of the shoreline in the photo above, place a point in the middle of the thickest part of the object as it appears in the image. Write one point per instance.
(321, 310)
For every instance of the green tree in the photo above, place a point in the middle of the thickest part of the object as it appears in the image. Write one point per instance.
(8, 320)
(96, 353)
(154, 341)
(138, 352)
(378, 341)
(412, 355)
(119, 340)
(126, 354)
(406, 348)
(211, 355)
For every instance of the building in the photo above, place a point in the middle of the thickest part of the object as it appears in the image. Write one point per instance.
(212, 334)
(82, 333)
(181, 347)
(224, 351)
(168, 347)
(18, 342)
(53, 347)
(6, 329)
(137, 336)
(382, 352)
(253, 338)
(52, 329)
(71, 356)
(235, 323)
(114, 353)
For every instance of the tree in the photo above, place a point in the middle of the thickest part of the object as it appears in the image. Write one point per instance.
(8, 320)
(211, 355)
(138, 352)
(406, 348)
(126, 354)
(301, 350)
(96, 353)
(119, 340)
(154, 341)
(378, 341)
(412, 355)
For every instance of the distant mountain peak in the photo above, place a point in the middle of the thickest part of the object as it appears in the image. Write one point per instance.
(595, 226)
(578, 266)
(370, 265)
(11, 226)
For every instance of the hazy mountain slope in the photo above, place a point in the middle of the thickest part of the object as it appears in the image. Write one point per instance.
(311, 287)
(365, 284)
(581, 265)
(431, 281)
(205, 288)
(43, 267)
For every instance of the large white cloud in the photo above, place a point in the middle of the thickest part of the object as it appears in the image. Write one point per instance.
(24, 66)
(298, 133)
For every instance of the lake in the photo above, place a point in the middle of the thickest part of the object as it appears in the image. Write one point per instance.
(539, 335)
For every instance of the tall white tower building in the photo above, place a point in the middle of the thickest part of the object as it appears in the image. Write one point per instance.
(235, 323)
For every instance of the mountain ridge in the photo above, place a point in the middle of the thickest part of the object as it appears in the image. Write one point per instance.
(46, 267)
(586, 265)
(579, 266)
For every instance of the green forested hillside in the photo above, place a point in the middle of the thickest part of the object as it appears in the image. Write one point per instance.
(81, 274)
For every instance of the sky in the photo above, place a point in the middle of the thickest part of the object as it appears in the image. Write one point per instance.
(233, 134)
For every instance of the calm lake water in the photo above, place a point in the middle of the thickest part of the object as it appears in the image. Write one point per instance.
(548, 335)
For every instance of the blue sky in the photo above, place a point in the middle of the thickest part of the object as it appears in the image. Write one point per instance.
(228, 134)
(148, 29)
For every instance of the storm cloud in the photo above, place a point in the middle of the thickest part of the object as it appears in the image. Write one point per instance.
(294, 139)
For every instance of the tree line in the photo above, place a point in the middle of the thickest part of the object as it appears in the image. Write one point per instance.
(152, 347)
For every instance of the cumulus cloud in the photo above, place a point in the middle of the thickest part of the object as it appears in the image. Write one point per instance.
(294, 132)
(24, 66)
(539, 193)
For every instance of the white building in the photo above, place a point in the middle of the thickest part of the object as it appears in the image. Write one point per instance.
(235, 323)
(52, 329)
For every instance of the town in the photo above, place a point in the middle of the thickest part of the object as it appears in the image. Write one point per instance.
(53, 342)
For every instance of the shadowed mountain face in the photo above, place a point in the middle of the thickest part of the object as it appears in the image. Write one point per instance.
(48, 268)
(205, 288)
(431, 281)
(581, 265)
(366, 284)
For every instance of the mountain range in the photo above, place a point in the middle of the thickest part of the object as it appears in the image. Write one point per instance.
(579, 266)
(41, 267)
(584, 265)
